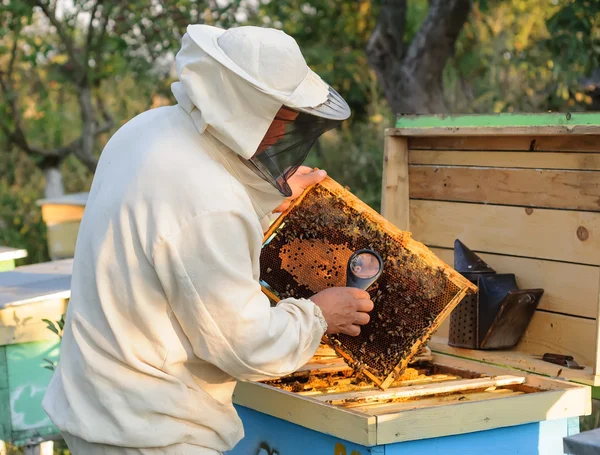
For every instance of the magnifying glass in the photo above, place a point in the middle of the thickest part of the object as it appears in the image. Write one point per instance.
(364, 267)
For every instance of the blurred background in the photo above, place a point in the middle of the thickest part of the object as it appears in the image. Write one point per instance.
(72, 72)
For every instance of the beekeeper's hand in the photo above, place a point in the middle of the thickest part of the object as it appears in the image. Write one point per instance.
(303, 178)
(344, 309)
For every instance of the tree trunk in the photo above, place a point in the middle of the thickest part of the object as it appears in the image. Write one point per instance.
(54, 183)
(412, 76)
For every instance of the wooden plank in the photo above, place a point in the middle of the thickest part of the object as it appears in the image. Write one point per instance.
(390, 408)
(502, 124)
(23, 276)
(342, 423)
(8, 254)
(325, 350)
(597, 363)
(461, 385)
(324, 366)
(495, 131)
(557, 333)
(486, 158)
(575, 190)
(5, 411)
(353, 388)
(538, 233)
(568, 288)
(532, 143)
(517, 360)
(439, 421)
(394, 199)
(538, 379)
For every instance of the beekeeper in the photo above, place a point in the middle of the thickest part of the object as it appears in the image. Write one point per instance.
(166, 311)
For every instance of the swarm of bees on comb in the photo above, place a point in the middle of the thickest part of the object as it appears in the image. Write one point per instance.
(307, 249)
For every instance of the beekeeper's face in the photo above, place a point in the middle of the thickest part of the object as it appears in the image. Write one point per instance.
(277, 129)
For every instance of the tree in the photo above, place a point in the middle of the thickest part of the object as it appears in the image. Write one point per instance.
(411, 73)
(53, 52)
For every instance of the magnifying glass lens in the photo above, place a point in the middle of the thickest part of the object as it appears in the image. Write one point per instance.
(365, 265)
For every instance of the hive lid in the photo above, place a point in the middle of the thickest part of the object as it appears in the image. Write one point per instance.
(507, 124)
(36, 283)
(7, 254)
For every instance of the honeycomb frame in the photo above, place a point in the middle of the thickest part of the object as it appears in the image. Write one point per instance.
(306, 250)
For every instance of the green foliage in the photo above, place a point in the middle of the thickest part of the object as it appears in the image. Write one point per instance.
(21, 224)
(56, 327)
(513, 55)
(520, 56)
(60, 448)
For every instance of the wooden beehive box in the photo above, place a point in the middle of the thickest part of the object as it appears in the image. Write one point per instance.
(62, 216)
(28, 295)
(523, 191)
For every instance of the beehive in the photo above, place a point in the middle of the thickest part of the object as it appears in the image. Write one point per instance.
(522, 191)
(307, 249)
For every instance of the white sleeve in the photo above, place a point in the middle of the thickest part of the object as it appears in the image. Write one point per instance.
(207, 273)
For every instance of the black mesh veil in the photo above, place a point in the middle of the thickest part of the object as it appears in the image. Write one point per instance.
(290, 138)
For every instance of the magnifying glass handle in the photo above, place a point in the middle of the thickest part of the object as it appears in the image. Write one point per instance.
(360, 283)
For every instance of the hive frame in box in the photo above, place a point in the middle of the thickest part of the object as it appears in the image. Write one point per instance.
(417, 249)
(555, 399)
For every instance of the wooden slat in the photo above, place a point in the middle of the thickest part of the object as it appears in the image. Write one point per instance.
(394, 198)
(576, 190)
(324, 366)
(532, 160)
(27, 274)
(557, 333)
(421, 390)
(496, 131)
(389, 408)
(568, 288)
(597, 359)
(7, 254)
(521, 361)
(538, 233)
(342, 423)
(438, 421)
(584, 143)
(455, 361)
(435, 378)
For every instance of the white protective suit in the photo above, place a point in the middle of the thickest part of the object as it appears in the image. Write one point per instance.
(166, 311)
